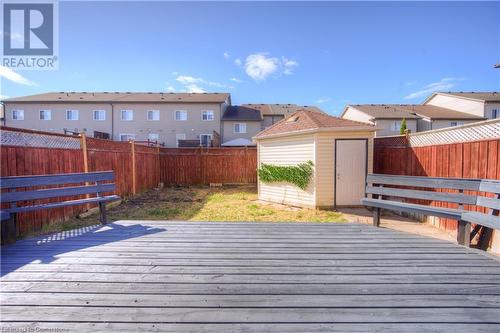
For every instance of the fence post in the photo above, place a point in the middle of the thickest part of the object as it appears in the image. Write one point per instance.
(132, 149)
(83, 145)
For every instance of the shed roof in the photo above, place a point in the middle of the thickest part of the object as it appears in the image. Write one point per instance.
(310, 121)
(121, 97)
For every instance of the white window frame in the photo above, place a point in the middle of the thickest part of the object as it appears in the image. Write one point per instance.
(456, 123)
(131, 112)
(19, 113)
(103, 112)
(184, 112)
(157, 137)
(396, 125)
(49, 113)
(207, 113)
(128, 134)
(179, 136)
(209, 135)
(153, 112)
(239, 128)
(71, 111)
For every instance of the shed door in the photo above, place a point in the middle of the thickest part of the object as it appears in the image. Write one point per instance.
(350, 171)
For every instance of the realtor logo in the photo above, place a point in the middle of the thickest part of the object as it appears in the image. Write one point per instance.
(30, 34)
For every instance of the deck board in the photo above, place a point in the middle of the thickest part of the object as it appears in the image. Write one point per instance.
(247, 277)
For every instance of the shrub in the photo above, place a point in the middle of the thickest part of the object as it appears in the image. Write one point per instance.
(299, 175)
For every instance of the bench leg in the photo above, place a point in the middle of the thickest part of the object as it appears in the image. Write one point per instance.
(463, 233)
(376, 217)
(102, 211)
(9, 229)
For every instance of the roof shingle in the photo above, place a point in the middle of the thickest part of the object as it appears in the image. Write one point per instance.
(303, 120)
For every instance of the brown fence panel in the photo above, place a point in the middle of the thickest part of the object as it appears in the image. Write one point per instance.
(479, 159)
(192, 166)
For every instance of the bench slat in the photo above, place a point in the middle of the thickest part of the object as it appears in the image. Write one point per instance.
(488, 202)
(450, 213)
(56, 192)
(490, 221)
(490, 185)
(425, 195)
(429, 182)
(55, 179)
(63, 204)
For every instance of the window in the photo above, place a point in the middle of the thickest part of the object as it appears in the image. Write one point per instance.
(181, 115)
(240, 128)
(45, 115)
(495, 114)
(179, 136)
(17, 114)
(207, 115)
(456, 123)
(396, 126)
(99, 114)
(127, 137)
(206, 140)
(127, 115)
(153, 115)
(155, 137)
(71, 114)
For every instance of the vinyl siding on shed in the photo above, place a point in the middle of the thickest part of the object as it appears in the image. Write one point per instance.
(290, 150)
(325, 163)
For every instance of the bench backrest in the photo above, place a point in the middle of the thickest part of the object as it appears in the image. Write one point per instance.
(378, 182)
(93, 185)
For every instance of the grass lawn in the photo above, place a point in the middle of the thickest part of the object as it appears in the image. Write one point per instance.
(202, 204)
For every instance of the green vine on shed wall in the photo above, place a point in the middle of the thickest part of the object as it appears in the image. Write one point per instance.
(299, 175)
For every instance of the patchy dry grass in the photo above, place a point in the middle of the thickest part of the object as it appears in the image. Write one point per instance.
(201, 204)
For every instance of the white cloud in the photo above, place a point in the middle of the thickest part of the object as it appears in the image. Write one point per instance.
(10, 75)
(227, 55)
(170, 88)
(323, 100)
(289, 65)
(3, 96)
(198, 84)
(235, 80)
(238, 62)
(442, 85)
(260, 66)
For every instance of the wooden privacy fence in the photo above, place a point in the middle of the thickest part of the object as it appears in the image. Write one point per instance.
(477, 159)
(189, 166)
(137, 167)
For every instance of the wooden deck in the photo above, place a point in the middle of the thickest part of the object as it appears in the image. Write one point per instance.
(247, 277)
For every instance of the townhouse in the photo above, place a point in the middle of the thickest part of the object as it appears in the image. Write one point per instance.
(163, 117)
(440, 110)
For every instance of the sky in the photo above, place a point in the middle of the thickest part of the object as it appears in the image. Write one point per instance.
(327, 54)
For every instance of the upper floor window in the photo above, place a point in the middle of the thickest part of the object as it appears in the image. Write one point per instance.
(127, 137)
(153, 115)
(71, 114)
(456, 123)
(207, 115)
(45, 115)
(99, 114)
(181, 115)
(17, 114)
(240, 128)
(396, 126)
(127, 115)
(495, 114)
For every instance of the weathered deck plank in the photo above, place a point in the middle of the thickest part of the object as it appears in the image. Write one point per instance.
(247, 277)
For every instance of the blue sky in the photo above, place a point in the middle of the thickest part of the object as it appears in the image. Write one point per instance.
(327, 54)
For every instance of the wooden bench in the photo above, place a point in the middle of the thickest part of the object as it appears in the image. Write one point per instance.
(383, 198)
(18, 189)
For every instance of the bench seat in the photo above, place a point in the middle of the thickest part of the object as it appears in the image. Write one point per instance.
(4, 215)
(450, 213)
(64, 204)
(490, 221)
